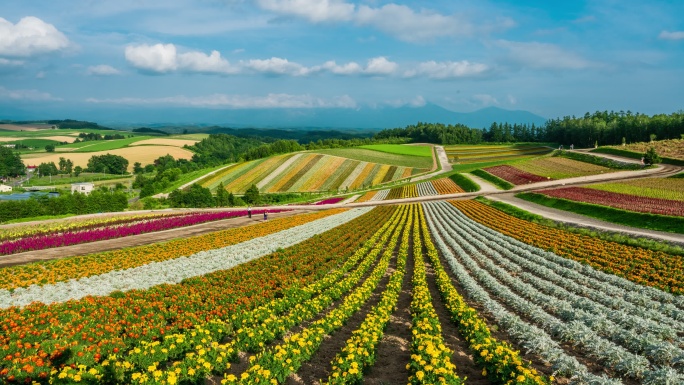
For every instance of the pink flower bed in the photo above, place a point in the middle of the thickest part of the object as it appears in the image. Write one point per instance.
(39, 242)
(618, 200)
(330, 201)
(514, 175)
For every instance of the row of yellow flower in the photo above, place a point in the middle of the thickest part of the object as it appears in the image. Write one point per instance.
(500, 362)
(359, 351)
(199, 351)
(273, 365)
(430, 358)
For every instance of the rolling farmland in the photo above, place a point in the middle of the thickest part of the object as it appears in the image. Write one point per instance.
(133, 154)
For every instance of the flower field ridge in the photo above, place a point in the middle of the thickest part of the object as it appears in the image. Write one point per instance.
(80, 329)
(85, 266)
(174, 270)
(618, 200)
(644, 267)
(623, 344)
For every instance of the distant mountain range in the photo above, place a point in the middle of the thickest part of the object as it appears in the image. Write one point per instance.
(363, 118)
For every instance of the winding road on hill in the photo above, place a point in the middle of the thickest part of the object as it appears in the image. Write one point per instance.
(487, 189)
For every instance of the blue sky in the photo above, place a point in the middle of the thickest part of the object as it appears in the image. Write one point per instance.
(553, 58)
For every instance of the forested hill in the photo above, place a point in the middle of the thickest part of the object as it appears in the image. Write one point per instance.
(602, 128)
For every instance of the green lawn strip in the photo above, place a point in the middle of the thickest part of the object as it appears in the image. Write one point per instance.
(498, 182)
(669, 224)
(107, 145)
(644, 243)
(401, 149)
(464, 182)
(679, 176)
(634, 155)
(373, 156)
(190, 176)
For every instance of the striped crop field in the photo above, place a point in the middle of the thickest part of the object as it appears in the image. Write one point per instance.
(559, 168)
(307, 172)
(485, 153)
(440, 186)
(401, 192)
(442, 292)
(660, 188)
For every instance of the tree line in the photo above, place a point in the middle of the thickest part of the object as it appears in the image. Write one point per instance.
(600, 128)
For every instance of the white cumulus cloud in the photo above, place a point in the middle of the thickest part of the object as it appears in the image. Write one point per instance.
(276, 66)
(272, 100)
(30, 36)
(380, 66)
(162, 58)
(674, 35)
(448, 69)
(102, 70)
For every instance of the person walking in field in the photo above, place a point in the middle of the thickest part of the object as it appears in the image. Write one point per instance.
(265, 215)
(572, 147)
(249, 211)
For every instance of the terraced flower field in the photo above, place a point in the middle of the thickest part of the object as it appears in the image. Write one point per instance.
(514, 175)
(559, 168)
(464, 154)
(307, 172)
(660, 188)
(618, 200)
(440, 186)
(418, 294)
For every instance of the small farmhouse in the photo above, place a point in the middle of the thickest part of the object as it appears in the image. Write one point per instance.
(5, 188)
(83, 188)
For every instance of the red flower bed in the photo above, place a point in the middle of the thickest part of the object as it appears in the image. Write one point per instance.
(514, 175)
(618, 200)
(330, 201)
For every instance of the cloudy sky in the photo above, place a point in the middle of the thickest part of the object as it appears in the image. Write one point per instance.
(553, 58)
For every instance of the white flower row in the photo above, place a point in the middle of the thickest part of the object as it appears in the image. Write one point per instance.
(532, 338)
(642, 336)
(174, 270)
(465, 242)
(426, 189)
(613, 291)
(380, 195)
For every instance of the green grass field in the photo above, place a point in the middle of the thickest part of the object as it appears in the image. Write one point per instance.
(104, 145)
(185, 178)
(401, 149)
(188, 136)
(65, 180)
(375, 156)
